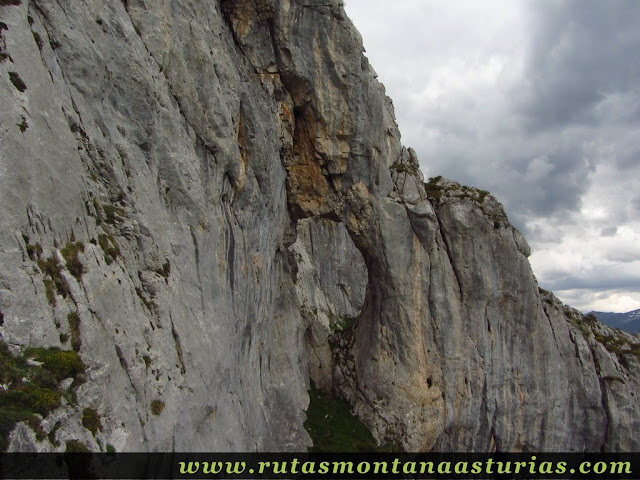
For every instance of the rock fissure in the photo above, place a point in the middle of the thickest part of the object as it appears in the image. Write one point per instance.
(445, 244)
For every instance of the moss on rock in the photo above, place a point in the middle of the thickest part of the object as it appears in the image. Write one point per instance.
(30, 385)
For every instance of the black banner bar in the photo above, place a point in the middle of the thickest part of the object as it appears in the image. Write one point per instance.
(335, 466)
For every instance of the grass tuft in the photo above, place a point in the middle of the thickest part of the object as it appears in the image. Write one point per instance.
(113, 214)
(23, 125)
(156, 407)
(70, 253)
(91, 420)
(51, 267)
(74, 328)
(109, 247)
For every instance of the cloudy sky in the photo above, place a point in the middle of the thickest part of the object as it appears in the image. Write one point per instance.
(538, 102)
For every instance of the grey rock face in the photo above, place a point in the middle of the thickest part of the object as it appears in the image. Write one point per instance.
(248, 218)
(141, 124)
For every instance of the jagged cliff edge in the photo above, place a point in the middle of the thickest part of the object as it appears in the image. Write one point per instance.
(210, 203)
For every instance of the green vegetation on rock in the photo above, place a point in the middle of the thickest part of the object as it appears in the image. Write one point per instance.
(91, 420)
(74, 446)
(74, 328)
(109, 247)
(70, 254)
(113, 214)
(30, 385)
(157, 406)
(52, 269)
(333, 428)
(23, 125)
(60, 364)
(34, 251)
(617, 344)
(433, 189)
(343, 323)
(403, 168)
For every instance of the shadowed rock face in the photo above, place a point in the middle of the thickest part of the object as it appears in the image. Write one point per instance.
(249, 219)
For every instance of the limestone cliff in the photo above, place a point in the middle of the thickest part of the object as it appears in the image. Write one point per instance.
(210, 203)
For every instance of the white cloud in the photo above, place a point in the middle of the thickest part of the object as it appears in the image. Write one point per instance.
(600, 301)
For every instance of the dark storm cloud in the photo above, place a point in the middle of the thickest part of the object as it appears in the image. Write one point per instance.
(578, 102)
(548, 181)
(628, 156)
(581, 53)
(602, 278)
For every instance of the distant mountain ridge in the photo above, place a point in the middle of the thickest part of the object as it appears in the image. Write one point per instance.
(629, 321)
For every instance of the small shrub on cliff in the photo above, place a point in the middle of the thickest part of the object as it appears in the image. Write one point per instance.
(17, 81)
(432, 188)
(51, 267)
(50, 291)
(403, 168)
(109, 247)
(74, 328)
(23, 125)
(157, 406)
(590, 319)
(74, 446)
(70, 253)
(343, 323)
(91, 420)
(34, 251)
(113, 214)
(60, 364)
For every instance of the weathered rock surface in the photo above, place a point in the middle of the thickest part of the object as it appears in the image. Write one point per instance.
(248, 218)
(151, 136)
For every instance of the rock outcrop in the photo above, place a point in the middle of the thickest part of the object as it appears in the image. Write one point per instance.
(210, 203)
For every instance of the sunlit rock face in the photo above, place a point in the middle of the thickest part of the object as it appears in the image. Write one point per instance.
(210, 203)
